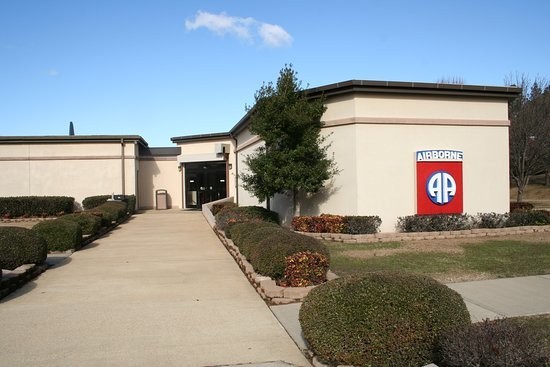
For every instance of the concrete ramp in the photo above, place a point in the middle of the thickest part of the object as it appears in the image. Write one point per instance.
(160, 290)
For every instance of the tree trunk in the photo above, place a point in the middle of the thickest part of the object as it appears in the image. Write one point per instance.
(295, 203)
(519, 198)
(268, 203)
(547, 177)
(521, 184)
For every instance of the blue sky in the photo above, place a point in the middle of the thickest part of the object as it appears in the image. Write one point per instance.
(168, 68)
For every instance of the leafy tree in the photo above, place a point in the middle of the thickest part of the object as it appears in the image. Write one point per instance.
(529, 131)
(294, 156)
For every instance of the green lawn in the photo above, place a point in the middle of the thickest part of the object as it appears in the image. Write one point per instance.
(455, 261)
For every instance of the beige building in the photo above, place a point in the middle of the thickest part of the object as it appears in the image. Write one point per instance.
(402, 149)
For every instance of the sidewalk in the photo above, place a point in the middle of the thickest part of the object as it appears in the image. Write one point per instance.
(159, 290)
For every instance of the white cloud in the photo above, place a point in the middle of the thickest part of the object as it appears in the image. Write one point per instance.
(248, 28)
(274, 35)
(53, 72)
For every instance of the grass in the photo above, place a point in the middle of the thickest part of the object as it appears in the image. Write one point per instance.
(448, 261)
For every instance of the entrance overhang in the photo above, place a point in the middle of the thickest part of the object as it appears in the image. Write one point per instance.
(203, 157)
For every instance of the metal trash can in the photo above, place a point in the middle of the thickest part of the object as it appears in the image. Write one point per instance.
(162, 199)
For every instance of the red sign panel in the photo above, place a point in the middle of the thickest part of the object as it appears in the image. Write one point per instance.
(439, 182)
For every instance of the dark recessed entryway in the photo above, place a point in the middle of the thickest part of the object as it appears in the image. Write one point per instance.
(204, 182)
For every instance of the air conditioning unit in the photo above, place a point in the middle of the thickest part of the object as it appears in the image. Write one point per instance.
(221, 148)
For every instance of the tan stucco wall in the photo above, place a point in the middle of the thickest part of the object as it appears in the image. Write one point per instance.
(416, 107)
(159, 173)
(76, 170)
(373, 141)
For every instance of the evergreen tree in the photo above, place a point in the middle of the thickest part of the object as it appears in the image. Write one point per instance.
(294, 156)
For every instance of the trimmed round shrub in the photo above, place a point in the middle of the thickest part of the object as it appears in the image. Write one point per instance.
(268, 255)
(89, 223)
(60, 234)
(20, 246)
(94, 201)
(236, 230)
(112, 211)
(248, 240)
(380, 319)
(244, 214)
(504, 342)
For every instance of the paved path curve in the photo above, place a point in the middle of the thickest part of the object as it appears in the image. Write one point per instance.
(160, 290)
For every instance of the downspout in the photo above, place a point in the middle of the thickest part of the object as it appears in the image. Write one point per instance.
(122, 159)
(236, 169)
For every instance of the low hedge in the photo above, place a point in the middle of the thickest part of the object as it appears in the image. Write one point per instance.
(529, 218)
(355, 224)
(60, 234)
(216, 208)
(251, 236)
(520, 206)
(230, 214)
(328, 223)
(434, 223)
(89, 223)
(110, 211)
(131, 204)
(20, 246)
(94, 201)
(455, 222)
(380, 319)
(504, 342)
(268, 255)
(35, 206)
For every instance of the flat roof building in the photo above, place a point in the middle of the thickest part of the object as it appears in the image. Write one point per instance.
(402, 148)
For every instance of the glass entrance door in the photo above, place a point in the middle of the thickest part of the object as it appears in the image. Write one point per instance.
(204, 182)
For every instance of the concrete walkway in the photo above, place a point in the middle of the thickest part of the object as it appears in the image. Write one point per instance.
(160, 290)
(508, 297)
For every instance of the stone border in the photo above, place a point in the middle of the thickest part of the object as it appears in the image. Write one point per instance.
(14, 279)
(402, 236)
(265, 286)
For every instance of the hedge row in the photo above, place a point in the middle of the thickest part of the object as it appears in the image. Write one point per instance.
(456, 222)
(328, 223)
(60, 234)
(110, 212)
(92, 202)
(288, 257)
(232, 214)
(267, 246)
(35, 206)
(89, 223)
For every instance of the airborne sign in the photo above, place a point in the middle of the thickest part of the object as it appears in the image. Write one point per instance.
(439, 181)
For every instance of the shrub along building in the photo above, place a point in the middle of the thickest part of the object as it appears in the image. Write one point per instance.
(402, 148)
